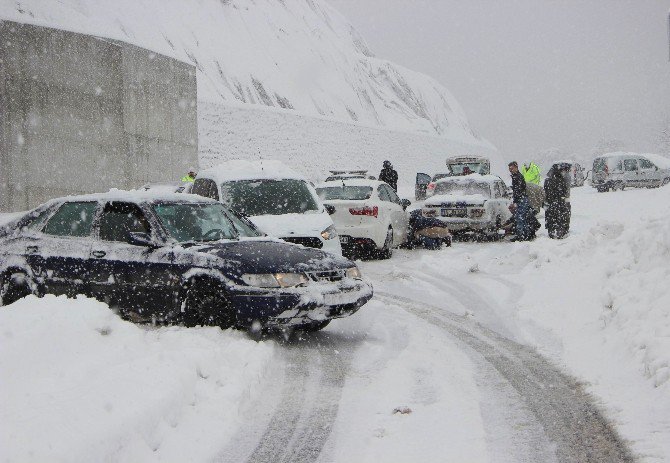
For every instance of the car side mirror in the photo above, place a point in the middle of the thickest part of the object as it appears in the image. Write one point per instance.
(140, 239)
(405, 203)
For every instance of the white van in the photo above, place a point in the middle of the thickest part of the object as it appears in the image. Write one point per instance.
(278, 200)
(618, 170)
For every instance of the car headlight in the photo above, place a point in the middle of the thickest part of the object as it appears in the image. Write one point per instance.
(329, 233)
(353, 272)
(274, 280)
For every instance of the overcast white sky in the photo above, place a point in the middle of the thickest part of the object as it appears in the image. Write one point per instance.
(534, 74)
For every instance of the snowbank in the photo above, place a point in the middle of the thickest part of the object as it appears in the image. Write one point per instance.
(80, 384)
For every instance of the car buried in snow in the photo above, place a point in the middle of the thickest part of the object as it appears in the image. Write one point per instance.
(470, 204)
(174, 258)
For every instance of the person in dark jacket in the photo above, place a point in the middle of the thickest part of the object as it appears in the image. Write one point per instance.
(389, 175)
(522, 210)
(556, 191)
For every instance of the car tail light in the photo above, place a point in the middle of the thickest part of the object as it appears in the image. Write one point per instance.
(607, 170)
(431, 186)
(371, 211)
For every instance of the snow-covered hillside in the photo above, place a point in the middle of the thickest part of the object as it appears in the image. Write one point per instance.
(299, 55)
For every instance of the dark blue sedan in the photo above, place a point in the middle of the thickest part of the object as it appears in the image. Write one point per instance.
(174, 258)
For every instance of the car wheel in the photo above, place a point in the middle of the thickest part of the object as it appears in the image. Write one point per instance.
(387, 251)
(312, 327)
(205, 304)
(13, 286)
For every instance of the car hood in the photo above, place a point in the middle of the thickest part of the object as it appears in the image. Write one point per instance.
(438, 200)
(265, 256)
(310, 224)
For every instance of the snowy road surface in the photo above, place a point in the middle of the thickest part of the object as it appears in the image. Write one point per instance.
(483, 352)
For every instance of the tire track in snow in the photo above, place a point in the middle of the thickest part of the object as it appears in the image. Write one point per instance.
(306, 409)
(568, 415)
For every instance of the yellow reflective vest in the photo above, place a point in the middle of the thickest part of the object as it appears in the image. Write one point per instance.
(531, 174)
(187, 178)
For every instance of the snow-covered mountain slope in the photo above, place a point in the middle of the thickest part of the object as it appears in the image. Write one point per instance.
(299, 55)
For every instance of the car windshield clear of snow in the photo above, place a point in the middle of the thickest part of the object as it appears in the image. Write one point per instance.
(268, 197)
(193, 222)
(462, 188)
(344, 192)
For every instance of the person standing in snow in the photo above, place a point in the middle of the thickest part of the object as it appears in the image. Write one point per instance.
(557, 191)
(522, 208)
(531, 172)
(389, 175)
(190, 177)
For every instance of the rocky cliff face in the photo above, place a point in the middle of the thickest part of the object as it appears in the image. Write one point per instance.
(295, 55)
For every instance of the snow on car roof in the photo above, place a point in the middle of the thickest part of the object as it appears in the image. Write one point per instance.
(660, 161)
(350, 182)
(469, 178)
(135, 196)
(241, 169)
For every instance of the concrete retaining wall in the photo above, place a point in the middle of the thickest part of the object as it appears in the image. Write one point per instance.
(80, 114)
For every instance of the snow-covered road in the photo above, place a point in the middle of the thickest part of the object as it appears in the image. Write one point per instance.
(482, 352)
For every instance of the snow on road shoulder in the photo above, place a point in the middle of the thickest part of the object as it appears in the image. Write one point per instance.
(79, 384)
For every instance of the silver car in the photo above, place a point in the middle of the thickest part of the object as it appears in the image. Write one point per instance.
(616, 171)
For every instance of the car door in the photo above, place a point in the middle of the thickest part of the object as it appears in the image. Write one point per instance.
(422, 181)
(61, 257)
(649, 174)
(127, 275)
(631, 173)
(399, 216)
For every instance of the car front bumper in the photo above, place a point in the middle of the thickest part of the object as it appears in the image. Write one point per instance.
(465, 224)
(301, 305)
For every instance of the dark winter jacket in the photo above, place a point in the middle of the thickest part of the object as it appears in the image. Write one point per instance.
(555, 187)
(390, 176)
(518, 187)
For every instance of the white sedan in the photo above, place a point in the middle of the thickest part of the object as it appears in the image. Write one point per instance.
(369, 216)
(470, 204)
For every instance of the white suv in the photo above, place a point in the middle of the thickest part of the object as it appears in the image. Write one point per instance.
(278, 200)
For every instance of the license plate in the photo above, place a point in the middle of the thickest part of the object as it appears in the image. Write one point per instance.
(453, 213)
(344, 239)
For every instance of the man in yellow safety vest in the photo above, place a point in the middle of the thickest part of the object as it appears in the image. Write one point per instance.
(190, 177)
(530, 172)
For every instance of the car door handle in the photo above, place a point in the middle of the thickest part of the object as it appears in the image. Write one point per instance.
(98, 253)
(32, 249)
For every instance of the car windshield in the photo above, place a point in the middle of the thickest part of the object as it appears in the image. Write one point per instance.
(463, 188)
(197, 222)
(346, 192)
(268, 197)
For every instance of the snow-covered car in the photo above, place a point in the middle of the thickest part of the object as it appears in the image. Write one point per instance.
(369, 216)
(470, 204)
(278, 200)
(616, 171)
(424, 185)
(174, 258)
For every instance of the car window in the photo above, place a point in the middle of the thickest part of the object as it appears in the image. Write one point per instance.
(345, 192)
(72, 219)
(646, 164)
(383, 194)
(630, 165)
(268, 197)
(393, 197)
(120, 219)
(201, 222)
(205, 187)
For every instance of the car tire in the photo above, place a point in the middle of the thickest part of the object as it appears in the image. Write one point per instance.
(205, 304)
(313, 327)
(387, 251)
(13, 286)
